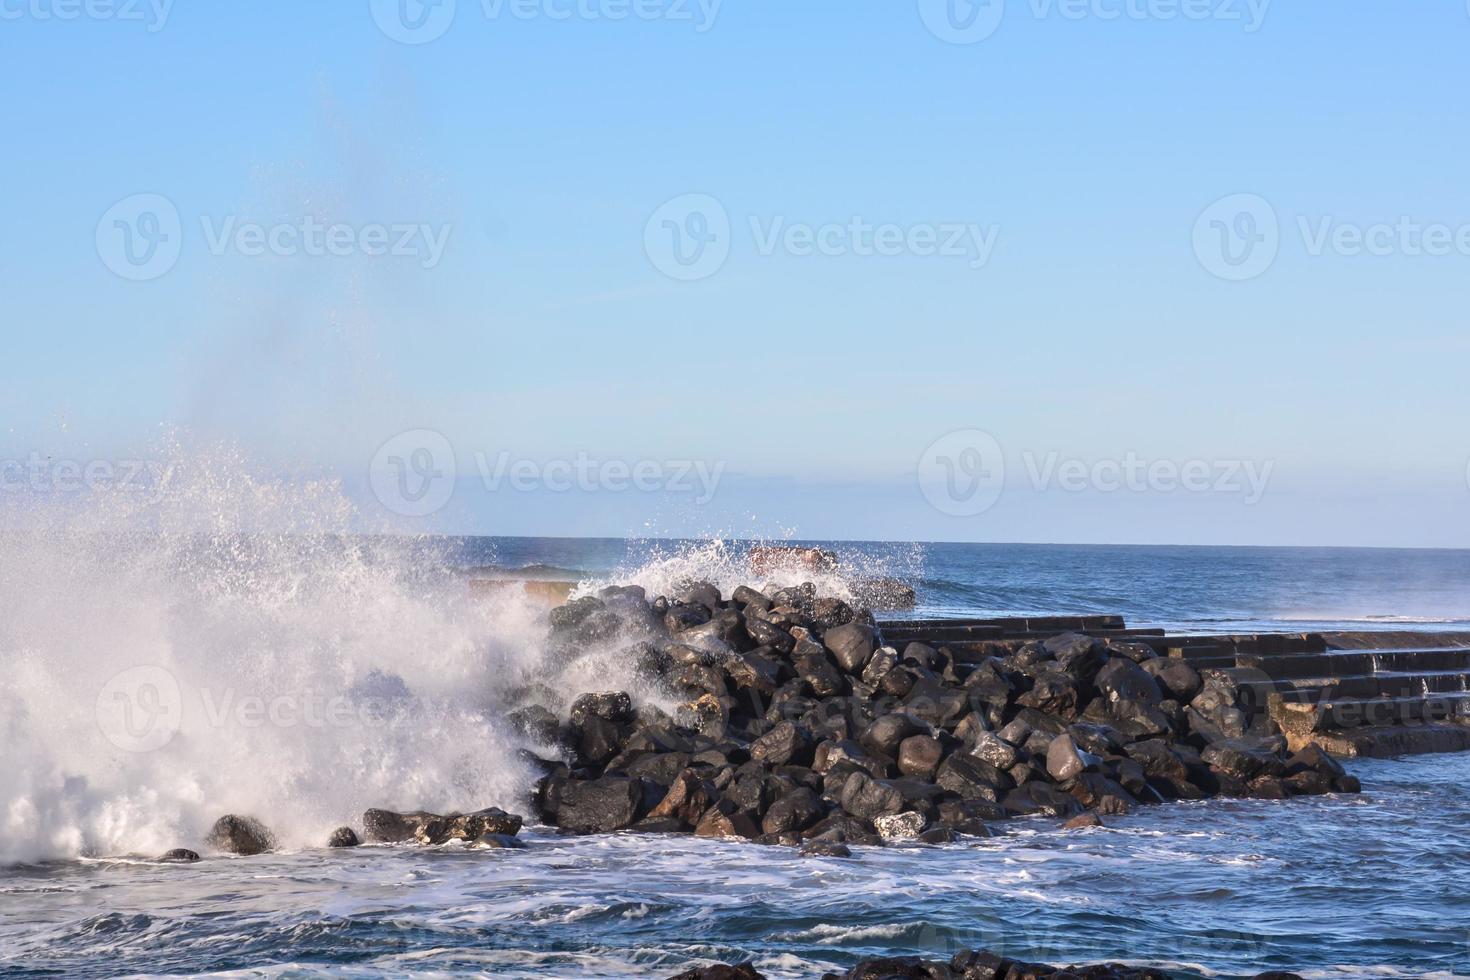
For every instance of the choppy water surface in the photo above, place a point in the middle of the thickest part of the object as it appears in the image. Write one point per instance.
(1370, 886)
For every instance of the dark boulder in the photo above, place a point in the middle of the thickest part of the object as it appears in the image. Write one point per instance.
(688, 799)
(594, 805)
(721, 971)
(240, 835)
(884, 735)
(1124, 680)
(343, 837)
(1053, 693)
(1040, 799)
(825, 849)
(866, 798)
(919, 756)
(972, 778)
(179, 855)
(1175, 677)
(851, 645)
(725, 820)
(786, 744)
(612, 706)
(794, 812)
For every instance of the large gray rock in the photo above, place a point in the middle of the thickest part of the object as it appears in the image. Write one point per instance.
(1064, 761)
(868, 799)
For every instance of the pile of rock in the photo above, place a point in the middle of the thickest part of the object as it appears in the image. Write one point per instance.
(492, 828)
(966, 965)
(797, 725)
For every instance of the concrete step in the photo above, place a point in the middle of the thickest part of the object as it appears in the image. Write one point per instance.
(1257, 644)
(1396, 684)
(1055, 624)
(1343, 663)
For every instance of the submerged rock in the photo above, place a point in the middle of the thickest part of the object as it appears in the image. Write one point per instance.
(240, 835)
(179, 855)
(343, 837)
(721, 971)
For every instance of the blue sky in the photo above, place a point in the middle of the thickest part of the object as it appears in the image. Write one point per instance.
(1085, 141)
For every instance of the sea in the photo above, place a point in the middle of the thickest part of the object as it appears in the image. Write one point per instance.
(152, 680)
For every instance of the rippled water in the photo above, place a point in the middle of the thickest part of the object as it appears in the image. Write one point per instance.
(1343, 887)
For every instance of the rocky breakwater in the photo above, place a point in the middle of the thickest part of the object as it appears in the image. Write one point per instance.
(796, 725)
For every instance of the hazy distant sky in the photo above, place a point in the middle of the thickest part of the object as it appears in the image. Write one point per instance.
(1100, 308)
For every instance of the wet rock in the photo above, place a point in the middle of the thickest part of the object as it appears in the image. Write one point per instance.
(1175, 677)
(884, 735)
(1124, 680)
(723, 820)
(1064, 761)
(343, 837)
(1242, 759)
(824, 848)
(919, 756)
(786, 744)
(867, 799)
(240, 835)
(611, 706)
(907, 825)
(768, 634)
(467, 826)
(721, 971)
(793, 812)
(851, 645)
(1083, 822)
(1040, 799)
(972, 778)
(179, 855)
(595, 805)
(1052, 693)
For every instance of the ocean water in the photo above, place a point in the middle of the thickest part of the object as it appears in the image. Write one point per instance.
(304, 677)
